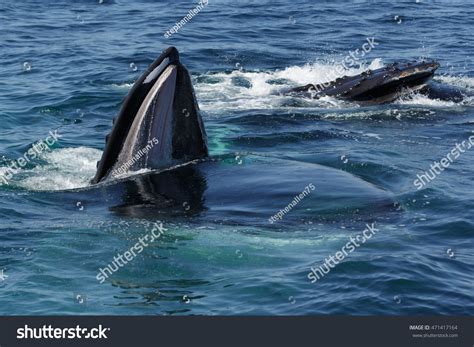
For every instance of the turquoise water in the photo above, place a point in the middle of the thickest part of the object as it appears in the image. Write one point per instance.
(67, 66)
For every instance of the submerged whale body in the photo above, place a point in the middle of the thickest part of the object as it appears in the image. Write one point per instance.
(224, 190)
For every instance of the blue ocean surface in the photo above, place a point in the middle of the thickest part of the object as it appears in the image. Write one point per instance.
(65, 67)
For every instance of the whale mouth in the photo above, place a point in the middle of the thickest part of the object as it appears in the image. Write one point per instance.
(159, 124)
(390, 82)
(373, 86)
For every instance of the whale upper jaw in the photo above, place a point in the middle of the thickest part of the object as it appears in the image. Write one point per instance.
(159, 123)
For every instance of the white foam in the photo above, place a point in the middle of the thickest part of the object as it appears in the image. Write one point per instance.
(122, 86)
(377, 136)
(66, 168)
(423, 100)
(458, 81)
(5, 170)
(262, 94)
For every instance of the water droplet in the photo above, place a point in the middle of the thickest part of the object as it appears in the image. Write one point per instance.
(239, 253)
(80, 113)
(239, 66)
(185, 112)
(133, 67)
(450, 253)
(397, 114)
(186, 299)
(79, 206)
(397, 205)
(186, 206)
(80, 299)
(79, 18)
(291, 300)
(3, 276)
(344, 159)
(398, 19)
(27, 66)
(292, 19)
(101, 1)
(397, 299)
(238, 159)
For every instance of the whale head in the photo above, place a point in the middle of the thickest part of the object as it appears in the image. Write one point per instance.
(387, 83)
(373, 86)
(159, 124)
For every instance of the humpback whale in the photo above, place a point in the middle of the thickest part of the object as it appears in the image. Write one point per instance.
(159, 127)
(382, 85)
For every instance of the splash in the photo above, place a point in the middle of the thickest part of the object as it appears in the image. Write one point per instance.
(240, 89)
(259, 90)
(66, 168)
(457, 81)
(423, 100)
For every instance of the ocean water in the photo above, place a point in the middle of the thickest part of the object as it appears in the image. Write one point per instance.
(66, 66)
